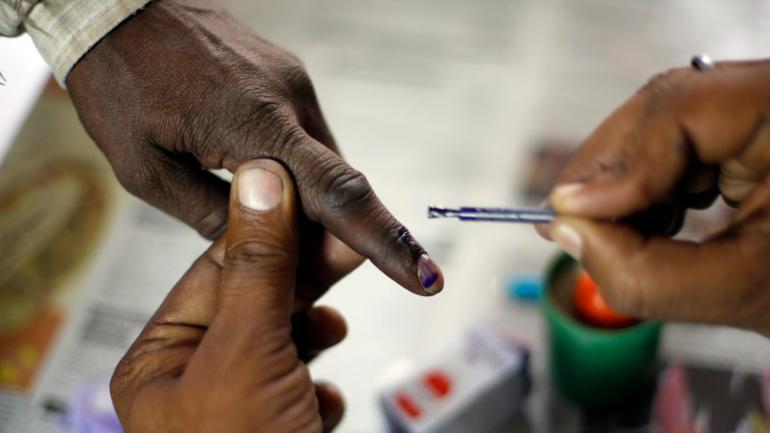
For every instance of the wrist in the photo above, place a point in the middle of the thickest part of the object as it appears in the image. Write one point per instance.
(65, 31)
(137, 44)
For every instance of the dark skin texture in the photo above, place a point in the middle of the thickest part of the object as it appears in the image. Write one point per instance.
(182, 88)
(227, 349)
(681, 141)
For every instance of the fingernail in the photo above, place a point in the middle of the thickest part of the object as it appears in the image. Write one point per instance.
(564, 195)
(568, 239)
(259, 189)
(427, 271)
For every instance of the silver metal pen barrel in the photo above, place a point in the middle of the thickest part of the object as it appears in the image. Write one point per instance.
(492, 214)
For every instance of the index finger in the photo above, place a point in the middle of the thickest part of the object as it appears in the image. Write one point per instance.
(341, 198)
(639, 155)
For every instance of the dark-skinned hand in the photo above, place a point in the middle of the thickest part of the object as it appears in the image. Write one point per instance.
(681, 141)
(182, 88)
(225, 351)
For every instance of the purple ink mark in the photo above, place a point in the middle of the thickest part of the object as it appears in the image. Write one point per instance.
(427, 271)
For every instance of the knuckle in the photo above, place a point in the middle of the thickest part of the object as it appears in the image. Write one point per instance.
(293, 59)
(118, 382)
(262, 119)
(663, 87)
(260, 111)
(195, 133)
(664, 82)
(124, 378)
(399, 234)
(297, 79)
(256, 105)
(303, 416)
(265, 253)
(141, 171)
(347, 190)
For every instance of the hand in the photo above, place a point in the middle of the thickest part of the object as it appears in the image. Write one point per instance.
(182, 88)
(221, 353)
(679, 142)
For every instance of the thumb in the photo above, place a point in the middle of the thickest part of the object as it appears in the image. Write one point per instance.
(660, 278)
(261, 247)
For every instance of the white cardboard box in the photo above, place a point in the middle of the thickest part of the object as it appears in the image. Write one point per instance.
(474, 385)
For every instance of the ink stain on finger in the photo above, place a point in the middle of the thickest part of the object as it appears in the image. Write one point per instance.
(426, 271)
(405, 237)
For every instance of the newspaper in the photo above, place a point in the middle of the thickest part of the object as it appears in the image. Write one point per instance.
(70, 237)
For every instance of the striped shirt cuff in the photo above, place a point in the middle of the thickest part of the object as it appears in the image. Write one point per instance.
(64, 30)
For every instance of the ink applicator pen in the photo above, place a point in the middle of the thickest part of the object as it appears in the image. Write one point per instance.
(492, 214)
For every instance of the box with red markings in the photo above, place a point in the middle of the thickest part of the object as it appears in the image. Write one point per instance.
(474, 385)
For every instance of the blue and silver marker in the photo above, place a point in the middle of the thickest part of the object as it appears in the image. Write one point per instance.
(492, 214)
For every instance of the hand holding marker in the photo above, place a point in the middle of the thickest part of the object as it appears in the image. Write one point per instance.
(535, 216)
(590, 305)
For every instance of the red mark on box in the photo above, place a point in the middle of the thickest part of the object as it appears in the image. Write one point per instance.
(408, 405)
(438, 383)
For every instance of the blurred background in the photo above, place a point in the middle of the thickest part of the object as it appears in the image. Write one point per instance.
(444, 102)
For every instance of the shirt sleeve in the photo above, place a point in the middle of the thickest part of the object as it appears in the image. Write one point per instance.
(11, 13)
(64, 30)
